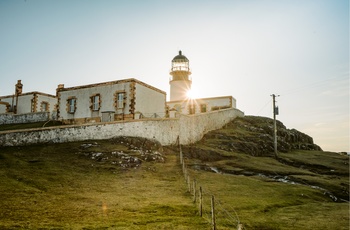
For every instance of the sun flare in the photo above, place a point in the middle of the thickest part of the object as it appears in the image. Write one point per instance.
(192, 94)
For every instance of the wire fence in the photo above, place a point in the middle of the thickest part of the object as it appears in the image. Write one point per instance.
(209, 206)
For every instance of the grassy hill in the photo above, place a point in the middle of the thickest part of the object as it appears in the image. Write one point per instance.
(303, 188)
(93, 185)
(133, 183)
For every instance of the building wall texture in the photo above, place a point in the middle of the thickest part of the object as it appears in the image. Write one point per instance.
(149, 102)
(139, 97)
(4, 107)
(30, 102)
(83, 100)
(189, 129)
(213, 103)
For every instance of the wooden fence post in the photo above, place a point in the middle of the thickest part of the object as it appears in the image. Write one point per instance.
(181, 157)
(213, 213)
(189, 183)
(194, 190)
(183, 167)
(184, 170)
(200, 202)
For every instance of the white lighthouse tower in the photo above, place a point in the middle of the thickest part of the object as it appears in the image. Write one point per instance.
(180, 81)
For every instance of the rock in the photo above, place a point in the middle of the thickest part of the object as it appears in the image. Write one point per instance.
(139, 150)
(254, 135)
(139, 143)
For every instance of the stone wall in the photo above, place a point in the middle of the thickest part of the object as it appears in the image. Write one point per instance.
(10, 118)
(193, 127)
(188, 128)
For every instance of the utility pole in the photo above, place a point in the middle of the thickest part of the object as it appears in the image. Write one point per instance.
(275, 112)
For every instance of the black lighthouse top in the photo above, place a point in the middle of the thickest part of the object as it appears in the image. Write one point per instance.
(180, 58)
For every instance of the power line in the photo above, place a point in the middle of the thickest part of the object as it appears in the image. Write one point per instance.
(269, 101)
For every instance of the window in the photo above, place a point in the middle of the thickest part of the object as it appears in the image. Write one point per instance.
(72, 105)
(120, 100)
(95, 102)
(203, 108)
(44, 106)
(192, 109)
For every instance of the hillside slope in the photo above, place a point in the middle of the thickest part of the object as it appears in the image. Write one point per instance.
(245, 147)
(254, 136)
(122, 183)
(135, 183)
(303, 188)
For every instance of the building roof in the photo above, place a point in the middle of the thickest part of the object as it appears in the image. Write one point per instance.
(180, 58)
(28, 93)
(62, 88)
(200, 100)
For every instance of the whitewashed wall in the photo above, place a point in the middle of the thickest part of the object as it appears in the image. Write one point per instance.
(188, 128)
(149, 101)
(220, 101)
(83, 95)
(25, 101)
(6, 99)
(193, 127)
(3, 108)
(226, 101)
(45, 98)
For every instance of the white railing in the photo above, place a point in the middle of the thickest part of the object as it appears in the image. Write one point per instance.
(180, 68)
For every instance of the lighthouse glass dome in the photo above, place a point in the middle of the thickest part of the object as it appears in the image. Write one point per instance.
(180, 63)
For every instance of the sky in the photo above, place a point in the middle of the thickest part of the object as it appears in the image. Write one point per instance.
(248, 49)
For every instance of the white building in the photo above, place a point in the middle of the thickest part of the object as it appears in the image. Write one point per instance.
(31, 102)
(117, 100)
(180, 85)
(202, 105)
(109, 101)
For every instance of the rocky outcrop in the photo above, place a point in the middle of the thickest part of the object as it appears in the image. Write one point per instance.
(254, 135)
(136, 150)
(138, 143)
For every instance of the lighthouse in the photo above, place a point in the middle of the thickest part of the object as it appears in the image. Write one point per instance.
(180, 81)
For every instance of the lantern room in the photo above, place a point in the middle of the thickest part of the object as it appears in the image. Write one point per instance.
(180, 81)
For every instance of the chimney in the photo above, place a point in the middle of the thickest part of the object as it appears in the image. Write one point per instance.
(59, 88)
(19, 88)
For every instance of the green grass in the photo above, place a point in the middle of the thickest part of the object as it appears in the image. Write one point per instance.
(324, 162)
(59, 186)
(262, 204)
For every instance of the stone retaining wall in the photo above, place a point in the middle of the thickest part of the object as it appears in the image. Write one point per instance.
(10, 118)
(190, 128)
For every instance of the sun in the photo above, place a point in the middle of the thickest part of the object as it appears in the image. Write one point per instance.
(192, 94)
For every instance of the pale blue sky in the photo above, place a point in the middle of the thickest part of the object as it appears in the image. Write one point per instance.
(249, 49)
